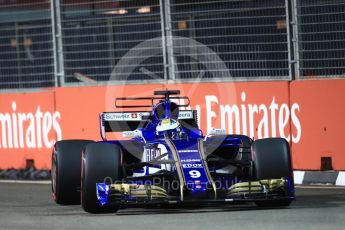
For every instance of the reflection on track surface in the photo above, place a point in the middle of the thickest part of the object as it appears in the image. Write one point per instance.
(29, 206)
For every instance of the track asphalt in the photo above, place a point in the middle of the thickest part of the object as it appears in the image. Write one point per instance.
(29, 206)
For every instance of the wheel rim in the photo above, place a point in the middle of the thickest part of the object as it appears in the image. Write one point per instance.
(82, 177)
(53, 178)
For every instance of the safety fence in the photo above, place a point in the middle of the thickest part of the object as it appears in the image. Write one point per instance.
(320, 29)
(26, 45)
(230, 39)
(86, 42)
(97, 36)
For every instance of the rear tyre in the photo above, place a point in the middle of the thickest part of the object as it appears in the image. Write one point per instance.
(101, 163)
(65, 176)
(272, 160)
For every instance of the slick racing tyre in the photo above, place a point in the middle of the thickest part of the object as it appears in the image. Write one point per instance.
(101, 163)
(272, 160)
(65, 176)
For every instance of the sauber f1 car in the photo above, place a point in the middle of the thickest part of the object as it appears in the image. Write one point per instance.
(166, 159)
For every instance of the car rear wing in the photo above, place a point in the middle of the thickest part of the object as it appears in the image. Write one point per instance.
(122, 121)
(130, 121)
(149, 102)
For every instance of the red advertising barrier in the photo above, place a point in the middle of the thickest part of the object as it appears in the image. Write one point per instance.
(256, 109)
(29, 126)
(322, 114)
(30, 123)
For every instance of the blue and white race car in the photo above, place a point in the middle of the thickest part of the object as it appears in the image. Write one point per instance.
(166, 159)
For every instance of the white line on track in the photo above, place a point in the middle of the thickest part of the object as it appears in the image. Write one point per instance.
(26, 181)
(319, 187)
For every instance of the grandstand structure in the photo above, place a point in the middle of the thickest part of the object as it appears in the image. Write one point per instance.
(52, 43)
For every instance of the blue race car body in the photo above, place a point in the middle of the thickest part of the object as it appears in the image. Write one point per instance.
(167, 159)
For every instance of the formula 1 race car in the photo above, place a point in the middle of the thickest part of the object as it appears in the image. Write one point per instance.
(165, 159)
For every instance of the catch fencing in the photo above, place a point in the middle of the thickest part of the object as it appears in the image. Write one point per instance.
(26, 45)
(86, 42)
(320, 32)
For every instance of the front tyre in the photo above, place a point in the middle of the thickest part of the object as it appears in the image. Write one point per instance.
(101, 163)
(272, 160)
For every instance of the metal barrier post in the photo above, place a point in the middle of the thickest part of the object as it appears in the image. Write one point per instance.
(58, 36)
(52, 13)
(19, 67)
(295, 39)
(288, 35)
(165, 63)
(169, 42)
